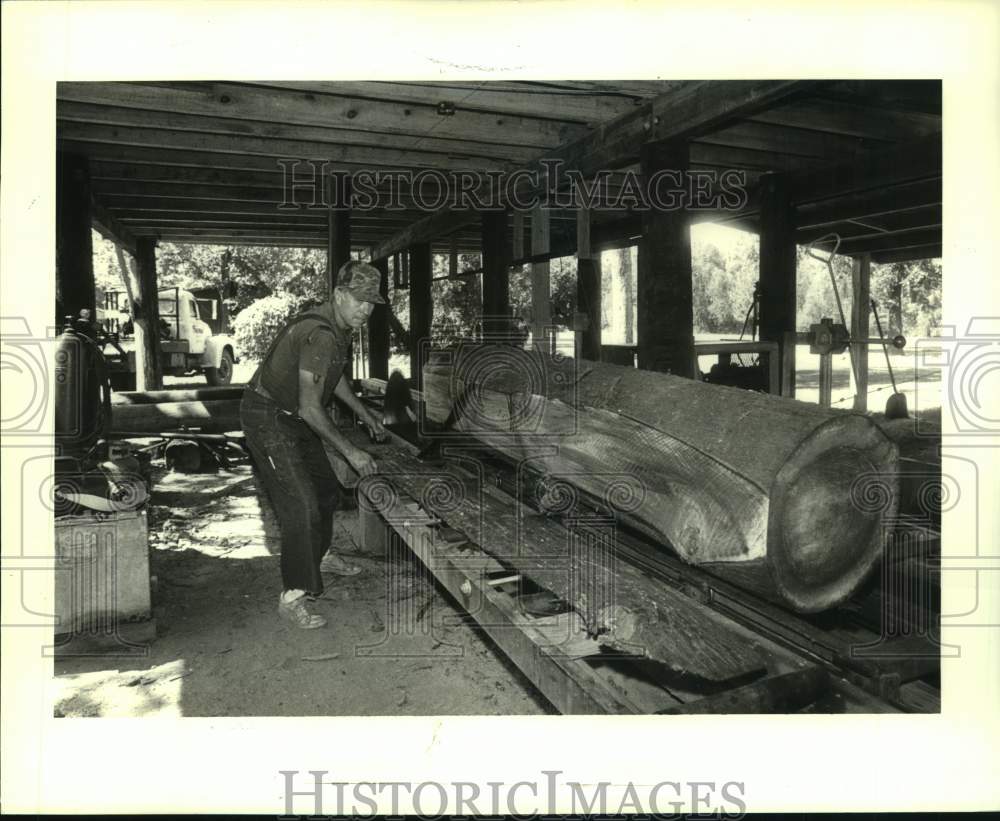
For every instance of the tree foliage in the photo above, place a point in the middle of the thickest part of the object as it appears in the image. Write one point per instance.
(259, 323)
(273, 283)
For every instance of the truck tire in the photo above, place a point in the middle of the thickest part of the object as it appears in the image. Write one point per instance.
(222, 375)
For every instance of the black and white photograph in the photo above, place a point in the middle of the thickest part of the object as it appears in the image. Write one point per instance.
(501, 398)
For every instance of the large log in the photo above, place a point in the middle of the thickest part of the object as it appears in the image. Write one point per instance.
(796, 494)
(208, 416)
(228, 392)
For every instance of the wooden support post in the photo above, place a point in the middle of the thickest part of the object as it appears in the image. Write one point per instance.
(517, 245)
(664, 287)
(496, 274)
(130, 278)
(420, 308)
(861, 283)
(75, 288)
(588, 289)
(453, 255)
(338, 237)
(541, 285)
(777, 267)
(378, 328)
(146, 313)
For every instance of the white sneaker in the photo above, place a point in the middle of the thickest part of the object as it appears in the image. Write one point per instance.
(295, 611)
(333, 563)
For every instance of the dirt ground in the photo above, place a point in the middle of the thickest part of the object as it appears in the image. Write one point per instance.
(393, 645)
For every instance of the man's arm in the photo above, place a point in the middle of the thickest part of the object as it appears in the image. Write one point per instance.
(344, 393)
(314, 415)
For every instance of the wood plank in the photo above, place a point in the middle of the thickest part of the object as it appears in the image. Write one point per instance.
(850, 119)
(259, 102)
(642, 618)
(333, 152)
(116, 116)
(890, 200)
(220, 163)
(686, 111)
(570, 684)
(933, 251)
(581, 106)
(905, 163)
(856, 229)
(825, 146)
(917, 237)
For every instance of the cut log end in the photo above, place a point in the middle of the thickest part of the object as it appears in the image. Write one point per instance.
(832, 506)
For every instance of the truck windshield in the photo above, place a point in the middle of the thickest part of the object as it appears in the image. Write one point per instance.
(168, 307)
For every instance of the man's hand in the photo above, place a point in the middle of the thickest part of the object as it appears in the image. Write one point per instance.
(362, 462)
(374, 424)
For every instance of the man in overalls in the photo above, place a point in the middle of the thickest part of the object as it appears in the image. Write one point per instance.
(284, 418)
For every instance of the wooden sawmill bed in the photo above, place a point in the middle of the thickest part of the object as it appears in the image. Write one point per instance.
(769, 660)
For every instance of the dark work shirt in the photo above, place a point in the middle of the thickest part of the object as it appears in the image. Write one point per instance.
(310, 345)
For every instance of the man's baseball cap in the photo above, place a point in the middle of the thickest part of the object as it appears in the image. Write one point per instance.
(362, 280)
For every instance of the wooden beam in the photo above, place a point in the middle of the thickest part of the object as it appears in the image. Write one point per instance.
(338, 238)
(334, 152)
(496, 274)
(421, 309)
(517, 244)
(907, 254)
(875, 203)
(541, 283)
(253, 102)
(854, 230)
(688, 110)
(664, 282)
(819, 145)
(75, 285)
(861, 290)
(521, 98)
(918, 237)
(850, 119)
(431, 227)
(146, 314)
(777, 268)
(218, 162)
(588, 290)
(905, 163)
(84, 114)
(378, 328)
(108, 226)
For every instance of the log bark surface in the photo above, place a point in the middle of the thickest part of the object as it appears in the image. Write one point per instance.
(718, 474)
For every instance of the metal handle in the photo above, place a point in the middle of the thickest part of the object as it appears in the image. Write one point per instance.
(827, 260)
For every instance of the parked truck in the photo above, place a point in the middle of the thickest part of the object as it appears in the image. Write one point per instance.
(194, 336)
